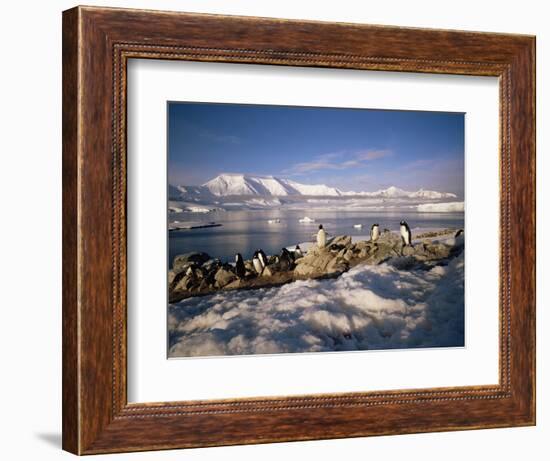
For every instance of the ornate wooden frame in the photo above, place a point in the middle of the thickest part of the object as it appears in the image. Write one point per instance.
(97, 43)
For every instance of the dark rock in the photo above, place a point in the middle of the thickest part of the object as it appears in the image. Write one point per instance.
(174, 281)
(305, 270)
(224, 277)
(408, 250)
(204, 285)
(349, 255)
(336, 247)
(267, 272)
(185, 283)
(199, 273)
(184, 260)
(234, 284)
(439, 250)
(437, 233)
(211, 264)
(314, 262)
(249, 266)
(343, 240)
(337, 265)
(389, 238)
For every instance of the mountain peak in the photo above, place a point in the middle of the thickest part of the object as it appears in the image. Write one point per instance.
(239, 184)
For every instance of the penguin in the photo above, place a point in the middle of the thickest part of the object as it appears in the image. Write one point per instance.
(459, 233)
(405, 233)
(239, 266)
(321, 237)
(257, 264)
(286, 260)
(262, 257)
(192, 270)
(298, 252)
(374, 233)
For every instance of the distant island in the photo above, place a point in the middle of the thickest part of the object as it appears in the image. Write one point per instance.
(231, 191)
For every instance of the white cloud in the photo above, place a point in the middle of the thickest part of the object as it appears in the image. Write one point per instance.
(338, 161)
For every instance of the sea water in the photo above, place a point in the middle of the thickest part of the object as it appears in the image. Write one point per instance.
(246, 231)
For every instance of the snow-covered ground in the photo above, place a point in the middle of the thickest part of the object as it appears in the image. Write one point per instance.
(369, 307)
(446, 207)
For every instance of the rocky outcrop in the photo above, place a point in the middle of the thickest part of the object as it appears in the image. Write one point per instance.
(182, 262)
(224, 276)
(197, 274)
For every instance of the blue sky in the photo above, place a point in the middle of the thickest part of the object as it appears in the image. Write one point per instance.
(352, 149)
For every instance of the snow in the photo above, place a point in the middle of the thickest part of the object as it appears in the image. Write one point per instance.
(318, 189)
(239, 184)
(447, 207)
(393, 192)
(197, 209)
(188, 193)
(430, 194)
(306, 220)
(369, 307)
(236, 184)
(261, 202)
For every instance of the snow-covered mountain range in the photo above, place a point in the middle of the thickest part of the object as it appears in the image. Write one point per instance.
(227, 185)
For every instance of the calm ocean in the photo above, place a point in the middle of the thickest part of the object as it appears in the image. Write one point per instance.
(246, 231)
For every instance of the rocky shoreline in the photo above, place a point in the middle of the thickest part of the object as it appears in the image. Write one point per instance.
(197, 274)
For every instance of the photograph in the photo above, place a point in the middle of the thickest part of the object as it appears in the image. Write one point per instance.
(313, 229)
(278, 225)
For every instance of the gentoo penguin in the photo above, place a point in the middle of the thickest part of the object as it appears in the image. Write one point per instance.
(239, 266)
(405, 233)
(374, 233)
(257, 264)
(298, 252)
(286, 261)
(262, 257)
(321, 237)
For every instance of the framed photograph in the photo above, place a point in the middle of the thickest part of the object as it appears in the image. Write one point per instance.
(281, 230)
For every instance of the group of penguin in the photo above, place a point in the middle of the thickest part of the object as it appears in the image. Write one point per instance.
(404, 230)
(286, 260)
